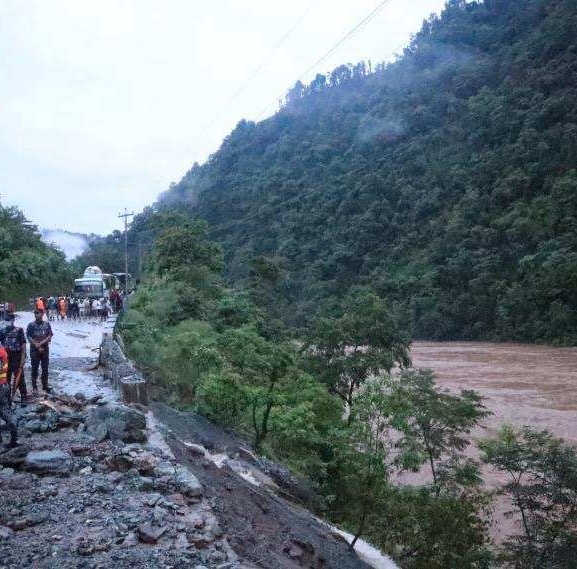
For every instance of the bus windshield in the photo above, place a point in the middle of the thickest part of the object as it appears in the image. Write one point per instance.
(89, 289)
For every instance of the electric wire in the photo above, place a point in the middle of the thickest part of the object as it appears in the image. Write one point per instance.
(244, 85)
(366, 20)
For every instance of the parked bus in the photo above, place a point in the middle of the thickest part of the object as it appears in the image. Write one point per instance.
(92, 284)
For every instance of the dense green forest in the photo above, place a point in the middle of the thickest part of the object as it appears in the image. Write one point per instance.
(446, 181)
(330, 408)
(28, 266)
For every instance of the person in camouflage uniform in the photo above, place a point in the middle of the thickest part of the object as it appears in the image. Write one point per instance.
(6, 399)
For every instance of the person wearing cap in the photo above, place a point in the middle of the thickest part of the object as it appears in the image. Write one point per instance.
(13, 339)
(6, 399)
(39, 334)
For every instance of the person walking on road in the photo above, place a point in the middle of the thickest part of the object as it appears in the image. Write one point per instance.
(6, 399)
(14, 340)
(39, 334)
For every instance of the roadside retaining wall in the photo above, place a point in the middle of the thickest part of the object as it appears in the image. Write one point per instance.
(120, 371)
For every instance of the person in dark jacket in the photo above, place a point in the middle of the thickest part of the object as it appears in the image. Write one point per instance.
(39, 334)
(13, 339)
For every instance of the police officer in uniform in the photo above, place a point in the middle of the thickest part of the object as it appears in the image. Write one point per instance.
(39, 334)
(13, 339)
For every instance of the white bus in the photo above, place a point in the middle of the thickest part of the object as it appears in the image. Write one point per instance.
(92, 284)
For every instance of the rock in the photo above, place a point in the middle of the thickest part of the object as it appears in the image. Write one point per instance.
(152, 499)
(85, 471)
(7, 472)
(48, 462)
(98, 432)
(195, 450)
(14, 458)
(145, 484)
(181, 541)
(115, 477)
(149, 534)
(188, 483)
(122, 423)
(5, 532)
(37, 426)
(130, 540)
(81, 450)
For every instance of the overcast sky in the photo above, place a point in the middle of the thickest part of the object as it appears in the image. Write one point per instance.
(105, 102)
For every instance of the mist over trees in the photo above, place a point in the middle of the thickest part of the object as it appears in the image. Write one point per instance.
(446, 181)
(28, 266)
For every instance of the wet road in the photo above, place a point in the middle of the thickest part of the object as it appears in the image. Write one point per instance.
(523, 384)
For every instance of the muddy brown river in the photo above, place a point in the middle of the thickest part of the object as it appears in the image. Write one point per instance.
(522, 384)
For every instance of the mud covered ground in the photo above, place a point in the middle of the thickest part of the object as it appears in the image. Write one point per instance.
(81, 492)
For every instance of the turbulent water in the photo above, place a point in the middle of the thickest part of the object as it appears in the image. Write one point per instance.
(523, 384)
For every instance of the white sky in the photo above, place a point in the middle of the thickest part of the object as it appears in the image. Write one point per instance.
(104, 102)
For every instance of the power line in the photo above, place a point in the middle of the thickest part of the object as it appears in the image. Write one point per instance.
(252, 76)
(374, 12)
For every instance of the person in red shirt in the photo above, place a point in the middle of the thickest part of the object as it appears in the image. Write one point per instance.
(6, 399)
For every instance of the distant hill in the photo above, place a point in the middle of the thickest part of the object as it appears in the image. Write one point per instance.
(28, 266)
(71, 244)
(446, 181)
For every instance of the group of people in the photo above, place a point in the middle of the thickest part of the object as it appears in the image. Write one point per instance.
(72, 308)
(13, 342)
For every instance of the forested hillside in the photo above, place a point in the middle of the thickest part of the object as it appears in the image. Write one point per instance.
(28, 266)
(446, 181)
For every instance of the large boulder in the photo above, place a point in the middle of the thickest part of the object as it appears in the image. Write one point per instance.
(116, 422)
(48, 462)
(186, 482)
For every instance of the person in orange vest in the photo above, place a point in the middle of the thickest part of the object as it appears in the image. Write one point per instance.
(6, 399)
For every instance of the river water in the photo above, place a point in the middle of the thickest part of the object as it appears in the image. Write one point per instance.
(523, 384)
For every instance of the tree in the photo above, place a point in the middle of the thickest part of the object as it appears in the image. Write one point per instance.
(263, 367)
(435, 426)
(363, 340)
(362, 462)
(184, 253)
(541, 483)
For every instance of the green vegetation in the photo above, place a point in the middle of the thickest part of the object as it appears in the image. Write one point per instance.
(445, 182)
(541, 482)
(344, 410)
(435, 198)
(28, 266)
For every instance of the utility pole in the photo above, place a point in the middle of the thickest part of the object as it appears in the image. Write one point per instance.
(125, 216)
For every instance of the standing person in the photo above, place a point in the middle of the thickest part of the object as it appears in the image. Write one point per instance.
(95, 308)
(87, 307)
(104, 311)
(62, 308)
(6, 399)
(14, 340)
(39, 334)
(39, 305)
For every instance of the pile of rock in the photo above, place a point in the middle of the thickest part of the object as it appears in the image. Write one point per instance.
(97, 489)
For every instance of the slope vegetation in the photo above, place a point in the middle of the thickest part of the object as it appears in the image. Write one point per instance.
(445, 181)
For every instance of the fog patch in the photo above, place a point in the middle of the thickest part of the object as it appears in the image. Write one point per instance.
(71, 244)
(371, 128)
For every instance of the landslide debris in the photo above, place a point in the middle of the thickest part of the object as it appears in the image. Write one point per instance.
(75, 500)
